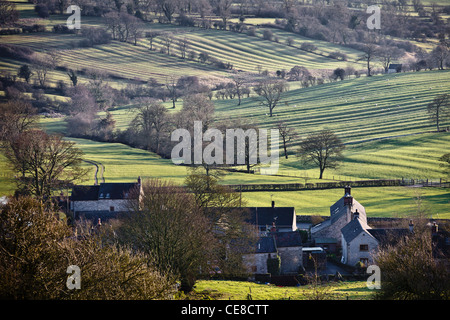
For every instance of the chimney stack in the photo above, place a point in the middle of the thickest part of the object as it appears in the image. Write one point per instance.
(348, 190)
(348, 200)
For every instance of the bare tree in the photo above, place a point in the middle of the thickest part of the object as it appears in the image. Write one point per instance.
(387, 55)
(370, 52)
(168, 225)
(168, 8)
(171, 85)
(152, 120)
(270, 91)
(183, 46)
(167, 38)
(323, 149)
(223, 9)
(440, 55)
(439, 109)
(16, 116)
(287, 134)
(45, 162)
(151, 35)
(41, 66)
(240, 82)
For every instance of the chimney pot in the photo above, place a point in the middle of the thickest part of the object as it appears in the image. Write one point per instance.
(348, 190)
(411, 226)
(273, 204)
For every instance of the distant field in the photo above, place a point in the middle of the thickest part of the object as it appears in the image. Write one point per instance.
(355, 109)
(378, 202)
(411, 157)
(244, 52)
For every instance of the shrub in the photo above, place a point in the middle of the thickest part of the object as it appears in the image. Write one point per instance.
(274, 265)
(338, 56)
(307, 46)
(15, 52)
(268, 35)
(95, 36)
(42, 10)
(251, 32)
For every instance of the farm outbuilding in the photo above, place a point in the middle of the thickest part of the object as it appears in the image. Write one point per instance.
(394, 68)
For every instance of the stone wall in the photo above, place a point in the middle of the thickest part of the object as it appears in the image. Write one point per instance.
(100, 205)
(291, 259)
(256, 262)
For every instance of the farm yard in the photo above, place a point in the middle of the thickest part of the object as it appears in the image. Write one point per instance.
(121, 84)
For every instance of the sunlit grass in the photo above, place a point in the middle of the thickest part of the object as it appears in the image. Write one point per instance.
(242, 290)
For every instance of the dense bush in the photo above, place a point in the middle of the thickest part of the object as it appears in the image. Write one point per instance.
(15, 52)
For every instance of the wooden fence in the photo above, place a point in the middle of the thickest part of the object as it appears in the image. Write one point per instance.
(340, 184)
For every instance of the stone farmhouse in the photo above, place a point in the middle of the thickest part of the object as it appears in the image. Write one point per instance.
(104, 201)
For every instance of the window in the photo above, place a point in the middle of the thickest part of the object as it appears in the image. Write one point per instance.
(363, 247)
(111, 208)
(254, 269)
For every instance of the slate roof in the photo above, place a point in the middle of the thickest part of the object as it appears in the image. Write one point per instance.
(84, 193)
(283, 216)
(338, 208)
(287, 239)
(266, 245)
(112, 191)
(395, 66)
(352, 229)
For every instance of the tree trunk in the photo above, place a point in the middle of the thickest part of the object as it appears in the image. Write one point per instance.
(321, 173)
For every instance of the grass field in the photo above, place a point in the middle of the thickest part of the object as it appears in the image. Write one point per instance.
(378, 201)
(240, 290)
(125, 164)
(355, 109)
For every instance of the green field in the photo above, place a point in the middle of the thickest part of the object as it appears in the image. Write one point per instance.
(240, 290)
(355, 109)
(378, 201)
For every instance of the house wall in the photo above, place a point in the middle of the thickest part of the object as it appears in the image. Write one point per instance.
(291, 259)
(351, 251)
(100, 205)
(258, 260)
